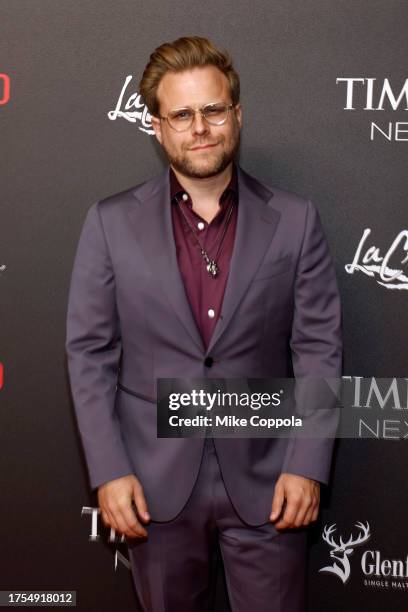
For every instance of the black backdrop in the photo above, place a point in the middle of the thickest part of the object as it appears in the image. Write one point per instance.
(63, 146)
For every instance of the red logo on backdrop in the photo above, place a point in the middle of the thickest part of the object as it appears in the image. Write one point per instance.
(1, 375)
(4, 88)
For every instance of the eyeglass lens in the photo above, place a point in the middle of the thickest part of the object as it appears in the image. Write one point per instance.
(215, 114)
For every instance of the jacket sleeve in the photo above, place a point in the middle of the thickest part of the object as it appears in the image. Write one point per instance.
(316, 345)
(93, 346)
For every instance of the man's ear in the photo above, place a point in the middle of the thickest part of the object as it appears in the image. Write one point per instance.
(238, 113)
(156, 124)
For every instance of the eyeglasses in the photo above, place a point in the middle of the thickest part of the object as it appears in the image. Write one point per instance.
(182, 119)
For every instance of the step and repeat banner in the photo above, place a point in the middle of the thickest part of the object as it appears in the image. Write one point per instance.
(325, 99)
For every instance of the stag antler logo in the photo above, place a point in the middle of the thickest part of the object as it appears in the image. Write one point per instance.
(342, 550)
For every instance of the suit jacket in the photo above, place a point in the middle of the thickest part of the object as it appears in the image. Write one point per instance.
(129, 322)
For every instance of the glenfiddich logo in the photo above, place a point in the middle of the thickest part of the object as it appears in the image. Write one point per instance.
(342, 550)
(377, 571)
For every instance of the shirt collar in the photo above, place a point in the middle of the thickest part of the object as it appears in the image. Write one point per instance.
(176, 190)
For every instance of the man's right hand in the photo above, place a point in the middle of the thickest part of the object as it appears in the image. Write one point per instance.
(115, 501)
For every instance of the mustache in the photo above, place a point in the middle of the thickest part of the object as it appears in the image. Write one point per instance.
(202, 144)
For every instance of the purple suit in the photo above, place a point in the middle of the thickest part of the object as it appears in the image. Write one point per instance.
(130, 322)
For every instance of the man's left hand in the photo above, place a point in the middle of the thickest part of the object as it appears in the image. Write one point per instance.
(295, 502)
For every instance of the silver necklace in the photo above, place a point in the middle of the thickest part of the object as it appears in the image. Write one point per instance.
(211, 264)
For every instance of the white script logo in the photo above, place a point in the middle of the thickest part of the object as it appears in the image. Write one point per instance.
(389, 277)
(342, 550)
(134, 110)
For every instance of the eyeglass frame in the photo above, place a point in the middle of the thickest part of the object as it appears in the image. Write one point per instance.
(199, 110)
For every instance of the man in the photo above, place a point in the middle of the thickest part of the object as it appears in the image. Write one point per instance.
(203, 272)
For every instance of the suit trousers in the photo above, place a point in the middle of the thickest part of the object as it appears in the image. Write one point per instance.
(265, 570)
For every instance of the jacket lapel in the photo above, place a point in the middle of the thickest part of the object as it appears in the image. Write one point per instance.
(153, 224)
(256, 225)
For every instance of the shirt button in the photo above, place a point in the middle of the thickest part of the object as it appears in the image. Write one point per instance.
(185, 197)
(208, 361)
(200, 225)
(211, 313)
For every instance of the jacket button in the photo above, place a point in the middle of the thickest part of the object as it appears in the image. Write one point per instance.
(208, 361)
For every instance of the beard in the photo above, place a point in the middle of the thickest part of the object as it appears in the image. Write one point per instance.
(209, 165)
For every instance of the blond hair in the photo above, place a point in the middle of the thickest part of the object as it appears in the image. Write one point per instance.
(183, 54)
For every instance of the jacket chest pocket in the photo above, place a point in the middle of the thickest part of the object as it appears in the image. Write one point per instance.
(272, 268)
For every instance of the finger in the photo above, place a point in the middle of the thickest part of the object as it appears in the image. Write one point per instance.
(140, 503)
(290, 513)
(111, 521)
(277, 502)
(308, 517)
(114, 520)
(305, 506)
(105, 518)
(133, 527)
(315, 513)
(105, 514)
(118, 522)
(111, 509)
(315, 506)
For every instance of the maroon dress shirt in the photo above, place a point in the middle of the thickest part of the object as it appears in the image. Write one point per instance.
(205, 293)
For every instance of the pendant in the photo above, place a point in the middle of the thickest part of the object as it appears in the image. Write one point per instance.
(212, 268)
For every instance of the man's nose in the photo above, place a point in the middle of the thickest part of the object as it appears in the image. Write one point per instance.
(200, 126)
